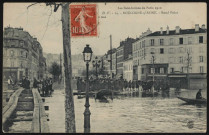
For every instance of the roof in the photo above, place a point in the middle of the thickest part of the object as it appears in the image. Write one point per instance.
(182, 31)
(113, 51)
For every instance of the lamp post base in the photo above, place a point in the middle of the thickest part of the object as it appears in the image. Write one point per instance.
(87, 114)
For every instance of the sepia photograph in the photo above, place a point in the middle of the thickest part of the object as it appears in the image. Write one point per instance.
(99, 67)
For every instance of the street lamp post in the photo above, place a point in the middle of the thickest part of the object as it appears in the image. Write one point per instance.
(87, 54)
(96, 63)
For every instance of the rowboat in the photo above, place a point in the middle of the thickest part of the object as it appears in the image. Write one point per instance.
(193, 101)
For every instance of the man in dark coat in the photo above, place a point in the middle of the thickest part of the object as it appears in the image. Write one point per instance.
(27, 83)
(199, 94)
(35, 83)
(23, 82)
(43, 88)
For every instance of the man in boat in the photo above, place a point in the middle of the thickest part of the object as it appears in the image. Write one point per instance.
(199, 94)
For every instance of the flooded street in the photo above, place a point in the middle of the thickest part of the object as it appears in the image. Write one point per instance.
(164, 113)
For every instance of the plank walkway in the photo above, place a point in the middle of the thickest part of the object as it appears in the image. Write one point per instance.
(25, 113)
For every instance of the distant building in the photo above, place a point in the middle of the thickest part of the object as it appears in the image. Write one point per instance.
(128, 69)
(114, 63)
(120, 58)
(22, 55)
(123, 52)
(106, 63)
(184, 50)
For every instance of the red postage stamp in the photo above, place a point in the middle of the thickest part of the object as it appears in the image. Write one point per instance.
(83, 20)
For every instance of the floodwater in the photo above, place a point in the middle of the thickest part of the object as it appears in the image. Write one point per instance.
(164, 113)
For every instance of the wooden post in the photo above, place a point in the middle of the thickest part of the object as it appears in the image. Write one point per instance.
(69, 102)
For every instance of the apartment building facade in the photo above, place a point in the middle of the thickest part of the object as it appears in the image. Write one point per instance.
(184, 50)
(22, 55)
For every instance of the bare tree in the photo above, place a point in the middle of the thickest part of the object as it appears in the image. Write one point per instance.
(188, 60)
(69, 102)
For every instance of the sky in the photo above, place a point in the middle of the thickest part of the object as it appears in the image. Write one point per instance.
(41, 22)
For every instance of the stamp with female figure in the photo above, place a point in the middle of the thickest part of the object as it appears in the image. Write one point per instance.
(83, 20)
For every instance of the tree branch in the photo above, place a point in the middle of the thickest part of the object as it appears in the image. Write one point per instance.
(32, 5)
(47, 24)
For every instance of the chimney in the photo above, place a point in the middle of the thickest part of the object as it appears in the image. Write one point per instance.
(196, 27)
(161, 30)
(21, 29)
(177, 29)
(167, 31)
(149, 31)
(203, 26)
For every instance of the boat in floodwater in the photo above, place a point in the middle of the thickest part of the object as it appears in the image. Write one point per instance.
(193, 101)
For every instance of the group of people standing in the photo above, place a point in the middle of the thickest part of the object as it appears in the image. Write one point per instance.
(117, 84)
(25, 83)
(44, 86)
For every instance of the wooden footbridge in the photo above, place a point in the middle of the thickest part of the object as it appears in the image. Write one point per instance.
(25, 113)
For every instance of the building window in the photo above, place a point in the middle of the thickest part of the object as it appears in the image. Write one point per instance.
(180, 59)
(161, 70)
(152, 42)
(171, 41)
(11, 53)
(161, 50)
(201, 58)
(180, 41)
(161, 41)
(181, 50)
(137, 46)
(189, 50)
(26, 55)
(182, 69)
(21, 64)
(152, 70)
(157, 70)
(152, 50)
(171, 70)
(12, 64)
(201, 49)
(21, 43)
(190, 69)
(200, 39)
(142, 70)
(171, 50)
(143, 43)
(22, 53)
(189, 40)
(201, 69)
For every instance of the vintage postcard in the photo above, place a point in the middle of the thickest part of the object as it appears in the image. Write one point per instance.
(104, 67)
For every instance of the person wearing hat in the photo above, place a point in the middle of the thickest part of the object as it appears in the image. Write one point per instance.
(199, 94)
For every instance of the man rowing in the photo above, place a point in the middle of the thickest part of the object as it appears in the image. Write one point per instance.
(199, 94)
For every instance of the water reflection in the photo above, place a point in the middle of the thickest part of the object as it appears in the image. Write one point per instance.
(132, 113)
